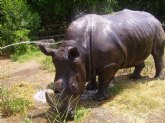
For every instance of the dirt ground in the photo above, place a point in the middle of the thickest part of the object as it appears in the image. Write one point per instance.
(31, 71)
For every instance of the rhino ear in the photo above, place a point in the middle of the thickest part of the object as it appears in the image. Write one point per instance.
(47, 51)
(73, 53)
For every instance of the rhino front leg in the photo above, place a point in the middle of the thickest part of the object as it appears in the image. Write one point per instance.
(102, 93)
(137, 71)
(105, 78)
(92, 85)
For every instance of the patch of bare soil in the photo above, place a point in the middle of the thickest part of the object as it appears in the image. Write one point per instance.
(31, 71)
(103, 115)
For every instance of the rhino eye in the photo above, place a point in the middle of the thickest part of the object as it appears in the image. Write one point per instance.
(73, 54)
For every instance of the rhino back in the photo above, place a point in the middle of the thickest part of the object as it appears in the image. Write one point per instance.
(131, 37)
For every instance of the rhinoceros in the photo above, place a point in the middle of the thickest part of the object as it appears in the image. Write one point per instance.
(100, 45)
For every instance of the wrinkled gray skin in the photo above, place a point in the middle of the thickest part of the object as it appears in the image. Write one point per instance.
(101, 45)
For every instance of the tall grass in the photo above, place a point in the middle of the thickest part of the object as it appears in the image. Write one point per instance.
(17, 99)
(54, 115)
(11, 105)
(80, 113)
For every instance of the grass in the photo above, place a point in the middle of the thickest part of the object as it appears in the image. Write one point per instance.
(24, 90)
(17, 99)
(53, 115)
(137, 99)
(80, 113)
(37, 55)
(45, 61)
(30, 54)
(141, 96)
(11, 105)
(3, 75)
(3, 71)
(47, 64)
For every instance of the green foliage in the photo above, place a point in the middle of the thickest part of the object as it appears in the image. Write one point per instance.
(57, 14)
(155, 7)
(80, 113)
(18, 22)
(11, 105)
(28, 55)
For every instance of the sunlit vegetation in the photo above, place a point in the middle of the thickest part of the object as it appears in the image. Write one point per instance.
(17, 100)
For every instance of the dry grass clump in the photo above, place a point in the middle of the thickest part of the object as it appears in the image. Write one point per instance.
(24, 90)
(54, 115)
(138, 97)
(17, 99)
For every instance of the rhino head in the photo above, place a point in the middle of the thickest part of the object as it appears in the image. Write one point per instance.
(70, 73)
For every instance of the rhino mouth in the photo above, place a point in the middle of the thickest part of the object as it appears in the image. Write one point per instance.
(53, 98)
(66, 106)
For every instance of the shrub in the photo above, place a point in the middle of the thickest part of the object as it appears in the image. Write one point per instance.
(18, 22)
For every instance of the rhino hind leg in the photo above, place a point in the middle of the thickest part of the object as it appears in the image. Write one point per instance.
(92, 85)
(159, 64)
(137, 71)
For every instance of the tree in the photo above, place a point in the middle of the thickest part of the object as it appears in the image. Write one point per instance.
(155, 7)
(56, 15)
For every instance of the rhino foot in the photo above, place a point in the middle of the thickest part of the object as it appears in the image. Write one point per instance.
(135, 76)
(100, 96)
(91, 86)
(161, 76)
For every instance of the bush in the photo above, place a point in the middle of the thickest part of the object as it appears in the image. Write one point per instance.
(18, 22)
